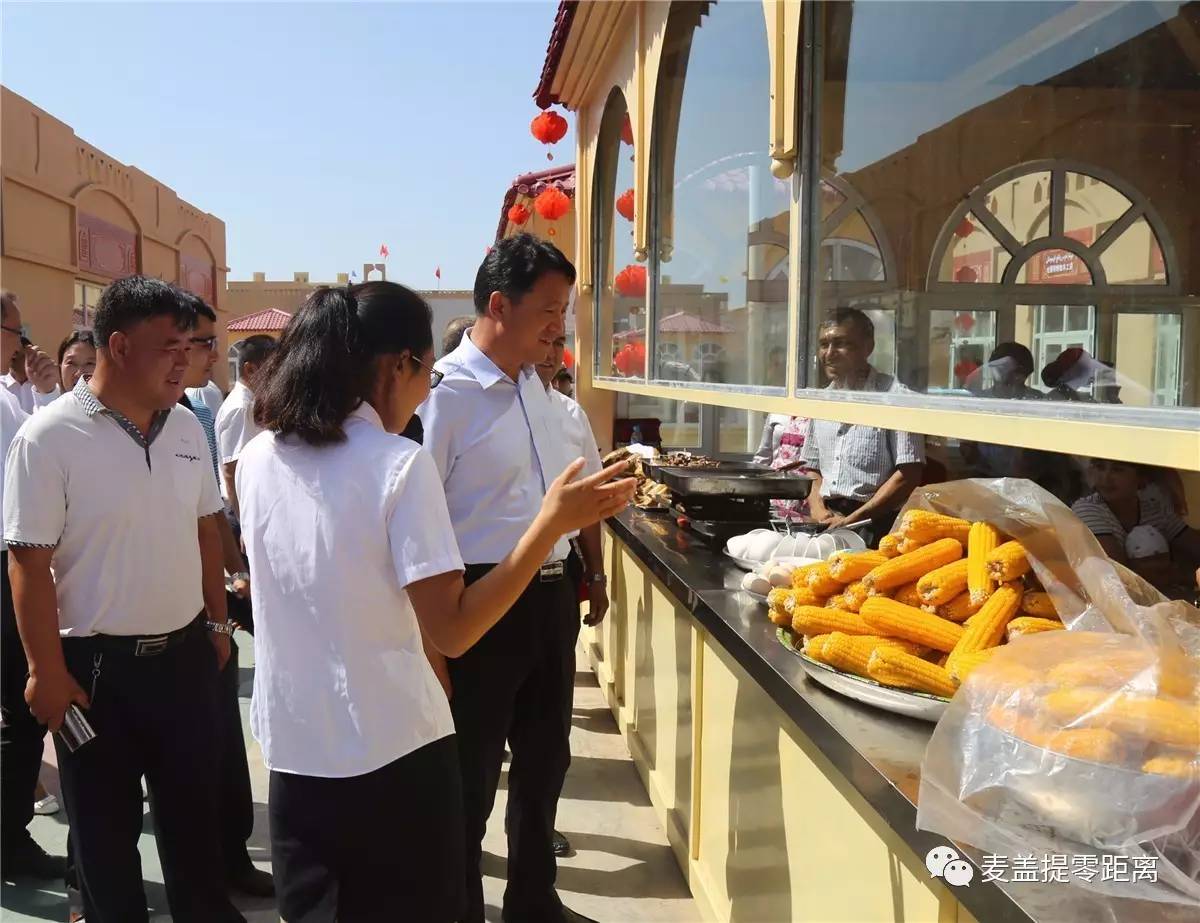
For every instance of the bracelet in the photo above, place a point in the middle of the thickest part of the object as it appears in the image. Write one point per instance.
(597, 578)
(240, 575)
(220, 628)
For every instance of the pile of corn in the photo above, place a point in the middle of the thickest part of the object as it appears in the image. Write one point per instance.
(921, 612)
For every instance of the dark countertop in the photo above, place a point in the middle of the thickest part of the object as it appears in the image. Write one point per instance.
(878, 752)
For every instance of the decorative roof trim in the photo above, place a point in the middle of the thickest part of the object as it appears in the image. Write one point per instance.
(530, 184)
(543, 95)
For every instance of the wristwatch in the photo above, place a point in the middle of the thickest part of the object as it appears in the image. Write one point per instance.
(240, 575)
(220, 628)
(597, 578)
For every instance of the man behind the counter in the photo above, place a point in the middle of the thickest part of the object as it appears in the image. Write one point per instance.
(859, 472)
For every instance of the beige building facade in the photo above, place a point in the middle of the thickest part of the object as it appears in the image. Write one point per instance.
(75, 218)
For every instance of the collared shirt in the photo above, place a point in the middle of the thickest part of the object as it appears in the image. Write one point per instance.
(497, 444)
(1154, 509)
(28, 397)
(119, 509)
(205, 416)
(334, 535)
(235, 423)
(11, 419)
(210, 396)
(855, 461)
(578, 437)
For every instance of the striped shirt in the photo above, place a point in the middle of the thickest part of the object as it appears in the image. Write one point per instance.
(208, 422)
(1154, 509)
(855, 461)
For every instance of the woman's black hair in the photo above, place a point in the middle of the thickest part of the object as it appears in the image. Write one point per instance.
(86, 337)
(324, 365)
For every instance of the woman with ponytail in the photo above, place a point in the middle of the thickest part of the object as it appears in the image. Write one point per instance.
(354, 559)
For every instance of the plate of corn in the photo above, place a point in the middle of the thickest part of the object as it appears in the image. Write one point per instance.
(902, 625)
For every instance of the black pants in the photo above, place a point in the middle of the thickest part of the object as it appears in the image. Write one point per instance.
(514, 685)
(386, 846)
(236, 797)
(879, 525)
(156, 717)
(21, 738)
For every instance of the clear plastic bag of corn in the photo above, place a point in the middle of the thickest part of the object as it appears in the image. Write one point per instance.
(1083, 741)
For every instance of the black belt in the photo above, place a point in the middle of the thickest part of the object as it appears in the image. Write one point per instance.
(140, 645)
(547, 573)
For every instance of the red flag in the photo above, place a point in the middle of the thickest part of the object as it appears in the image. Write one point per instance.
(438, 272)
(383, 251)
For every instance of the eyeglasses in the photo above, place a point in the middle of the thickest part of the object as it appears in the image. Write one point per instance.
(207, 343)
(14, 330)
(435, 377)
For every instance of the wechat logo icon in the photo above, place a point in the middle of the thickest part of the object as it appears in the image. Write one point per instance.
(944, 862)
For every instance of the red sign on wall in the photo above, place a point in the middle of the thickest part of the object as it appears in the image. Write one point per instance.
(104, 248)
(1062, 267)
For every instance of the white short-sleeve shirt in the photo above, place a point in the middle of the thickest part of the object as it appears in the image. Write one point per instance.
(334, 535)
(578, 438)
(121, 515)
(235, 424)
(12, 415)
(498, 445)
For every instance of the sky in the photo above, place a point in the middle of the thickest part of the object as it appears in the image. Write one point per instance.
(315, 131)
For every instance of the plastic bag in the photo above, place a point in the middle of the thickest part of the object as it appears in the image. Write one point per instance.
(1083, 742)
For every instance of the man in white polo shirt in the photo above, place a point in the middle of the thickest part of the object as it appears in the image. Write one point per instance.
(494, 436)
(235, 424)
(115, 560)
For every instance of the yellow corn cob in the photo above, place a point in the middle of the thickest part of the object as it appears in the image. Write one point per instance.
(914, 565)
(813, 645)
(843, 654)
(959, 609)
(896, 668)
(1179, 766)
(908, 545)
(907, 594)
(1031, 625)
(1096, 745)
(1007, 562)
(804, 597)
(848, 567)
(982, 541)
(967, 662)
(925, 526)
(777, 598)
(822, 582)
(800, 576)
(1038, 604)
(817, 620)
(890, 544)
(943, 584)
(854, 596)
(780, 618)
(1161, 720)
(887, 617)
(986, 627)
(836, 601)
(1159, 672)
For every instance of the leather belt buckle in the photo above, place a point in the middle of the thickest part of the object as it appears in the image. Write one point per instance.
(551, 572)
(150, 647)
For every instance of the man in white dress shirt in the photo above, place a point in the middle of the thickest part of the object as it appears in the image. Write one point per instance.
(235, 420)
(31, 375)
(497, 441)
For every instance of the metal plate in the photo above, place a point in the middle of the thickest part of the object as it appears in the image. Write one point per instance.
(717, 482)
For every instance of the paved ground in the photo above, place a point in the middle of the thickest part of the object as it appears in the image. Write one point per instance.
(622, 870)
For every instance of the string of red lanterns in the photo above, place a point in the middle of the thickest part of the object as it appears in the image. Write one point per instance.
(625, 204)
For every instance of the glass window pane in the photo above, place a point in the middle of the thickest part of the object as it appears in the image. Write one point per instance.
(620, 281)
(722, 219)
(1040, 191)
(676, 422)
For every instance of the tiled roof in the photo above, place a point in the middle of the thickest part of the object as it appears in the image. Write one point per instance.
(543, 95)
(270, 319)
(679, 322)
(530, 184)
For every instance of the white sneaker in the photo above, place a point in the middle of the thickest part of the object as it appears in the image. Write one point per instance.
(47, 805)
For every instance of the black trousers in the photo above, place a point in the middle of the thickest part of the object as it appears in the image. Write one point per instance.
(236, 798)
(156, 717)
(21, 738)
(514, 685)
(385, 846)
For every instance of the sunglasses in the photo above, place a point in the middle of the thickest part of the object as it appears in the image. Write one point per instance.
(208, 343)
(435, 377)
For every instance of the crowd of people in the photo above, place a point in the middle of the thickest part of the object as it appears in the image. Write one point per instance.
(414, 608)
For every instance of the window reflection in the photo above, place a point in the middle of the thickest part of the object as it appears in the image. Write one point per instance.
(994, 194)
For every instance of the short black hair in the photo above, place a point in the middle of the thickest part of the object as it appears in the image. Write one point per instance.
(128, 302)
(325, 364)
(513, 267)
(849, 317)
(455, 331)
(8, 301)
(86, 337)
(563, 373)
(199, 305)
(255, 350)
(1015, 351)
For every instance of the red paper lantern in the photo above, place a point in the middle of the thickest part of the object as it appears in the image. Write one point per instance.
(630, 359)
(627, 130)
(966, 274)
(552, 203)
(625, 204)
(965, 228)
(549, 127)
(631, 281)
(964, 323)
(568, 359)
(518, 214)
